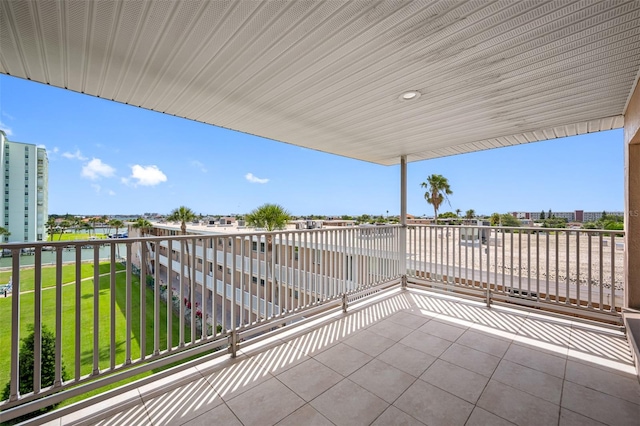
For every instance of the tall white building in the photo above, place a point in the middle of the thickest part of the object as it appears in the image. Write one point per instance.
(25, 183)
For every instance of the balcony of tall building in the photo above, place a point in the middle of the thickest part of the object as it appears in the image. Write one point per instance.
(415, 324)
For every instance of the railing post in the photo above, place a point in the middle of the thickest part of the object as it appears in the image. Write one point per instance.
(233, 343)
(403, 220)
(345, 302)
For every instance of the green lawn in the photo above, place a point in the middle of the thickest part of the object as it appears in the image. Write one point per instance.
(74, 236)
(49, 274)
(87, 326)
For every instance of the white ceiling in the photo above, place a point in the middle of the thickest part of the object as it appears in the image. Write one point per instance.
(328, 75)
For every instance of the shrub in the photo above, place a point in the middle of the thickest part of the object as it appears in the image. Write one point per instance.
(26, 362)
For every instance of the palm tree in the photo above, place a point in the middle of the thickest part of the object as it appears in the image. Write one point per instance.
(116, 223)
(4, 231)
(183, 215)
(470, 214)
(268, 216)
(93, 221)
(51, 227)
(437, 190)
(143, 225)
(64, 225)
(458, 212)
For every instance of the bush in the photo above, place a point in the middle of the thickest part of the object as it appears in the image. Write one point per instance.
(26, 361)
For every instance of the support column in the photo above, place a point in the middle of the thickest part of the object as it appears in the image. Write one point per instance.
(632, 201)
(403, 219)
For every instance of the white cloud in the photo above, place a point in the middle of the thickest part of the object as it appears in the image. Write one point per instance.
(254, 179)
(95, 169)
(199, 165)
(96, 187)
(55, 150)
(75, 155)
(6, 129)
(111, 193)
(145, 175)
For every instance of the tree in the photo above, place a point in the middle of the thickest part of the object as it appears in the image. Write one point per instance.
(550, 215)
(4, 231)
(26, 361)
(183, 215)
(495, 219)
(142, 224)
(268, 216)
(51, 226)
(438, 188)
(470, 214)
(542, 215)
(458, 211)
(116, 223)
(64, 225)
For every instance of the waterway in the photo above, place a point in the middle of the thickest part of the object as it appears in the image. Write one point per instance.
(68, 255)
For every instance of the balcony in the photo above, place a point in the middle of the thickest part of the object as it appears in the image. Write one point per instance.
(485, 325)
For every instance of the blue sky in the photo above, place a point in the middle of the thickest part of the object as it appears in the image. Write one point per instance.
(108, 158)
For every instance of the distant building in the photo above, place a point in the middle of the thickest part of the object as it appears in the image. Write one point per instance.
(575, 216)
(25, 182)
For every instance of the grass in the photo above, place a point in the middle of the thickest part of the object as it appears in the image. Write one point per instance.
(27, 277)
(86, 328)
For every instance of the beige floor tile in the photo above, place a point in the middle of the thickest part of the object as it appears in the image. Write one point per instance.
(382, 380)
(265, 404)
(343, 359)
(609, 345)
(537, 383)
(538, 360)
(280, 358)
(182, 404)
(484, 343)
(390, 330)
(392, 416)
(433, 406)
(546, 331)
(610, 383)
(238, 378)
(426, 343)
(369, 342)
(443, 330)
(104, 409)
(408, 319)
(463, 356)
(316, 341)
(480, 417)
(349, 404)
(409, 360)
(459, 381)
(307, 416)
(570, 418)
(516, 406)
(309, 379)
(599, 406)
(221, 415)
(179, 379)
(133, 416)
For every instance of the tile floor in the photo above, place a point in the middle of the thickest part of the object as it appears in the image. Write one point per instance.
(408, 359)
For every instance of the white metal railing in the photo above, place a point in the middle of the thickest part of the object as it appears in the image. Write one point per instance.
(565, 269)
(110, 324)
(174, 297)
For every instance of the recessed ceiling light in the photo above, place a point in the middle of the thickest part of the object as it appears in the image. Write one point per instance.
(410, 95)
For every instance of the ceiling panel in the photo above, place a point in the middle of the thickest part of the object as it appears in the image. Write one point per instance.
(329, 75)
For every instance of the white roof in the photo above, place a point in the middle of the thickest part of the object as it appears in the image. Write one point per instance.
(329, 75)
